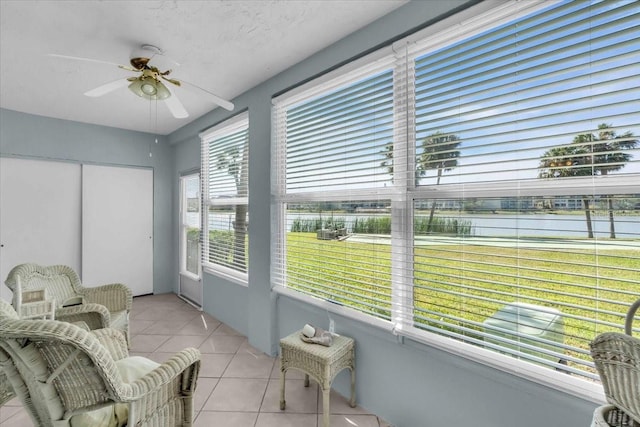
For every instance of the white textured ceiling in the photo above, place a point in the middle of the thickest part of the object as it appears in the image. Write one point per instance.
(224, 46)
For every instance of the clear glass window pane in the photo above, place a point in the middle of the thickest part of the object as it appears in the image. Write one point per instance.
(475, 256)
(228, 237)
(191, 224)
(340, 251)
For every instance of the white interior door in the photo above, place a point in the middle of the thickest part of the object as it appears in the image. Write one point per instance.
(39, 215)
(117, 227)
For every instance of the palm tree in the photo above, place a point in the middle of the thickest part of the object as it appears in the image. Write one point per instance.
(610, 156)
(439, 152)
(590, 155)
(388, 158)
(388, 163)
(568, 161)
(234, 161)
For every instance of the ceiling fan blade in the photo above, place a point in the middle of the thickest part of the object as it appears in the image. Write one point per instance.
(106, 88)
(221, 102)
(174, 81)
(76, 58)
(175, 106)
(162, 61)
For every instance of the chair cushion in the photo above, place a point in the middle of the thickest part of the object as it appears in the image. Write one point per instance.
(130, 369)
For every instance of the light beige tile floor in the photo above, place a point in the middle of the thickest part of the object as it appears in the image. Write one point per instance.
(238, 385)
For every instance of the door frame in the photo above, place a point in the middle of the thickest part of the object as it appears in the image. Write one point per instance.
(189, 283)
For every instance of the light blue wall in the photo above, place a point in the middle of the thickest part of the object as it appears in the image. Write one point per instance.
(36, 137)
(410, 384)
(414, 385)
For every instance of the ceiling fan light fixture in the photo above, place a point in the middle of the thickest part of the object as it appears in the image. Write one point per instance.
(149, 88)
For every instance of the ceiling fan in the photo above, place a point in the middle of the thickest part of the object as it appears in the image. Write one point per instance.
(148, 83)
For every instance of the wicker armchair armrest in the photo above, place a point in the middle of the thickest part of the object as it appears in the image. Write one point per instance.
(7, 371)
(165, 395)
(114, 341)
(114, 296)
(96, 316)
(6, 390)
(183, 365)
(628, 323)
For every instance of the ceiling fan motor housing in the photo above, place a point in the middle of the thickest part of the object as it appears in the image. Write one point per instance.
(141, 56)
(139, 63)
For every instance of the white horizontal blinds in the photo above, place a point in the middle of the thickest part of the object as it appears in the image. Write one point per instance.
(529, 134)
(225, 195)
(520, 89)
(327, 260)
(476, 263)
(335, 140)
(332, 143)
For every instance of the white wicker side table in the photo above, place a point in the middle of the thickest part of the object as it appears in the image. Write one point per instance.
(319, 362)
(34, 304)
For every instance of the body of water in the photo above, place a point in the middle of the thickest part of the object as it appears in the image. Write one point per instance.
(489, 225)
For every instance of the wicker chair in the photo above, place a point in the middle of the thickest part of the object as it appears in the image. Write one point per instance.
(67, 376)
(6, 391)
(105, 306)
(617, 359)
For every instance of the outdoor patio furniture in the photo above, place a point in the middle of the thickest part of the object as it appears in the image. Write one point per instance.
(67, 376)
(105, 306)
(34, 304)
(524, 327)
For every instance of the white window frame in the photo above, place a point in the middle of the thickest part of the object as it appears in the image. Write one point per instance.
(229, 126)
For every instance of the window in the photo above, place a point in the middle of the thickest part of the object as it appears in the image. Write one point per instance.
(190, 225)
(225, 198)
(480, 184)
(332, 158)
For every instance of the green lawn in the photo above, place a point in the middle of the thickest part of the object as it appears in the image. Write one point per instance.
(467, 283)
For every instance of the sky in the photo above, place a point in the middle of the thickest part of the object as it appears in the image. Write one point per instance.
(509, 94)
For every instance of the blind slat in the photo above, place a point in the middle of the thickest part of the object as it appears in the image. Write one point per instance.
(225, 178)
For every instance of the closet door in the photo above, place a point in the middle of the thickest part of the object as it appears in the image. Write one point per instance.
(117, 227)
(39, 215)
